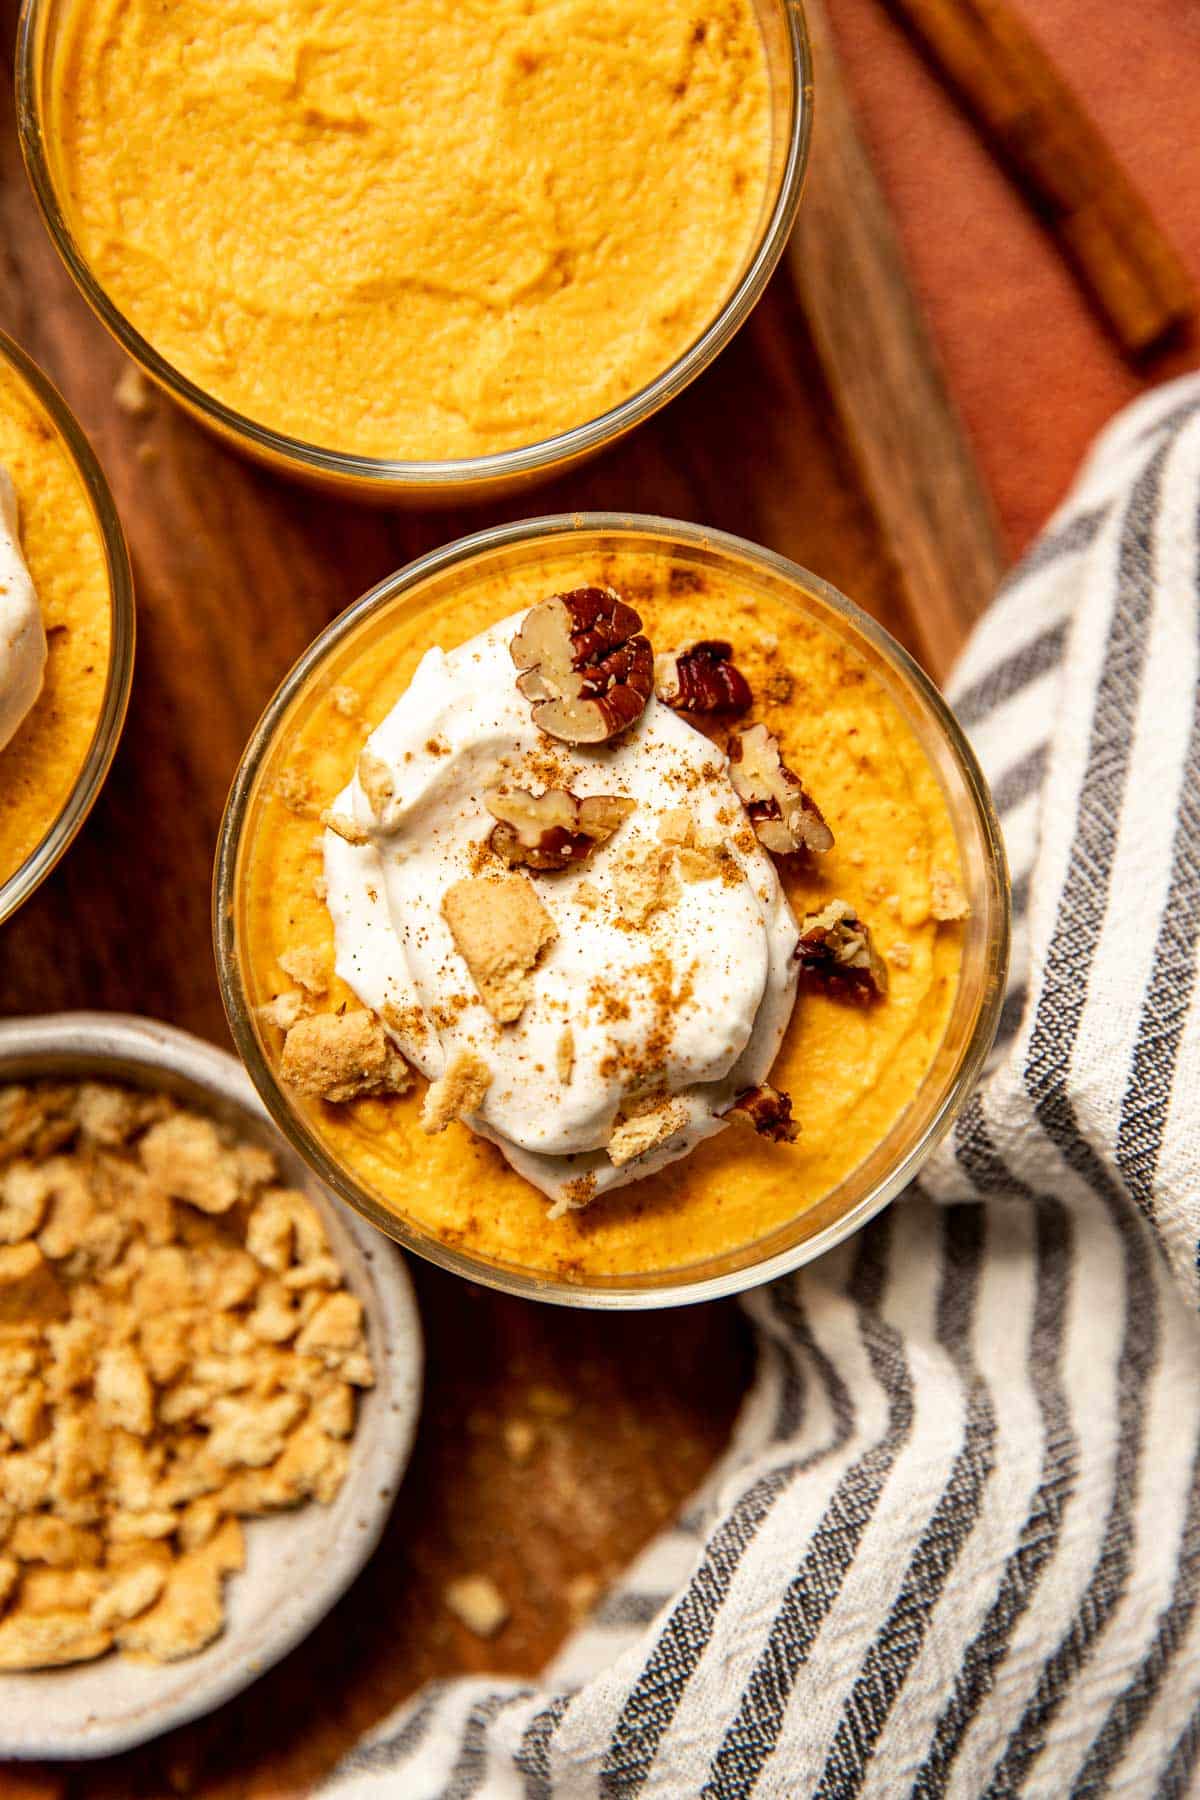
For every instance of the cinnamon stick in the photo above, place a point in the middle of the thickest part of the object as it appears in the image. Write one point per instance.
(1011, 89)
(885, 384)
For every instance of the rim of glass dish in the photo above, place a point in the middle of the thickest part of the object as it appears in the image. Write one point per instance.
(614, 1297)
(102, 749)
(461, 472)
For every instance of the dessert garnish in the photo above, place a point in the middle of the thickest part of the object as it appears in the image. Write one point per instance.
(701, 852)
(644, 1131)
(550, 831)
(947, 902)
(784, 817)
(644, 882)
(459, 1090)
(584, 665)
(500, 929)
(348, 829)
(702, 679)
(769, 1111)
(837, 957)
(178, 1352)
(667, 993)
(343, 1056)
(375, 779)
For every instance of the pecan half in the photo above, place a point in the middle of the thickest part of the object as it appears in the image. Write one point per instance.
(702, 679)
(769, 1111)
(784, 817)
(552, 830)
(584, 665)
(836, 956)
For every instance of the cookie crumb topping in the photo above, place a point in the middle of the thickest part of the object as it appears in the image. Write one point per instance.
(343, 1056)
(459, 1090)
(182, 1354)
(500, 929)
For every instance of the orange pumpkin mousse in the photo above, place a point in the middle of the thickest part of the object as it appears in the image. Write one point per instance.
(55, 622)
(402, 228)
(599, 916)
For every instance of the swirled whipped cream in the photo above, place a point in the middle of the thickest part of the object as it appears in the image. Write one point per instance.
(22, 633)
(669, 977)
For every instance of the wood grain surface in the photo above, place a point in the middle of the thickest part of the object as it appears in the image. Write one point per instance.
(236, 571)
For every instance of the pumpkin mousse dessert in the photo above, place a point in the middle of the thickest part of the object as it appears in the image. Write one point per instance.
(56, 618)
(406, 229)
(595, 927)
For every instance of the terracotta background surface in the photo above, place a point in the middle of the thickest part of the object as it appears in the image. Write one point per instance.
(1032, 369)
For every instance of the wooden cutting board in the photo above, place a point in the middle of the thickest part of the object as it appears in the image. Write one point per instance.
(824, 432)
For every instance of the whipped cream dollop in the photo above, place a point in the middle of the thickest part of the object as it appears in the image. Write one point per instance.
(692, 1002)
(22, 633)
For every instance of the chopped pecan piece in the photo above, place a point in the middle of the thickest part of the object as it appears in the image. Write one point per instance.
(584, 665)
(702, 679)
(769, 1111)
(552, 830)
(783, 815)
(837, 956)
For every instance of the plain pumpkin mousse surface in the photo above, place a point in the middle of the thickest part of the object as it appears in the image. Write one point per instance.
(55, 622)
(414, 228)
(588, 960)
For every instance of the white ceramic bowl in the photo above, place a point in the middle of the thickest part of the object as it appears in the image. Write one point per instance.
(297, 1564)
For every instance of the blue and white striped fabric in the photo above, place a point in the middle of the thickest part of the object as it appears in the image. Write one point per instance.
(954, 1547)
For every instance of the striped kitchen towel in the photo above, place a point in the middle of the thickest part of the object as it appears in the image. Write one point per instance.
(954, 1547)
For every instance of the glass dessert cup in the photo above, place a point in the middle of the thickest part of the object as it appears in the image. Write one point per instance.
(40, 841)
(542, 556)
(471, 478)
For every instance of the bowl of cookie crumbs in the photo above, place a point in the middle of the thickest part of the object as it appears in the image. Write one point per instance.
(209, 1383)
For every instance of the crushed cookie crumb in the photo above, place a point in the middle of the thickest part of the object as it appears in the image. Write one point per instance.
(345, 700)
(375, 780)
(574, 1196)
(295, 789)
(342, 1056)
(477, 1603)
(460, 1089)
(343, 826)
(283, 1011)
(307, 966)
(149, 1413)
(520, 1439)
(500, 929)
(947, 902)
(564, 1055)
(133, 393)
(636, 1136)
(644, 882)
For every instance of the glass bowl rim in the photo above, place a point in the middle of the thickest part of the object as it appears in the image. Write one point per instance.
(684, 1290)
(459, 473)
(118, 681)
